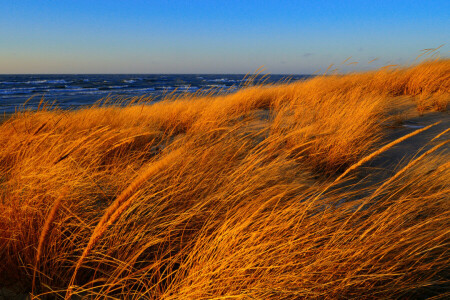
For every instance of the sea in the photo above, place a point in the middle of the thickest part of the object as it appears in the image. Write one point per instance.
(25, 92)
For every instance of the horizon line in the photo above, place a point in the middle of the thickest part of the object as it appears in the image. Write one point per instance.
(12, 74)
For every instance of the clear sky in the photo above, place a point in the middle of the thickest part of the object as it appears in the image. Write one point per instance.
(137, 36)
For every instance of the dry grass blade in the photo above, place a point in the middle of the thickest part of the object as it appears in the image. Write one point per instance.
(441, 134)
(407, 167)
(122, 202)
(45, 229)
(382, 149)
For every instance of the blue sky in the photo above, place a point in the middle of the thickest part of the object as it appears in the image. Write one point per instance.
(137, 36)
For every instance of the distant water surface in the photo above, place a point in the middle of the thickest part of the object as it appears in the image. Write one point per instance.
(73, 91)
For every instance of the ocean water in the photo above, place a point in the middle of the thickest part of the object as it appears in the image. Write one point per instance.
(74, 91)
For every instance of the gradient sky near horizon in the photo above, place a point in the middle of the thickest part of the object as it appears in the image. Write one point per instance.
(287, 37)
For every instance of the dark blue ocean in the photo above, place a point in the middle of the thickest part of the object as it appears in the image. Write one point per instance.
(74, 91)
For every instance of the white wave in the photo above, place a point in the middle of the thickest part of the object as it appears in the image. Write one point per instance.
(44, 81)
(16, 91)
(218, 80)
(87, 93)
(118, 86)
(143, 90)
(73, 89)
(35, 81)
(57, 81)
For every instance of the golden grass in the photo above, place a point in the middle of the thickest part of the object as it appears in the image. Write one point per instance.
(243, 195)
(45, 229)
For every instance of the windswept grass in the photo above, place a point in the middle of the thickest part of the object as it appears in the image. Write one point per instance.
(244, 195)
